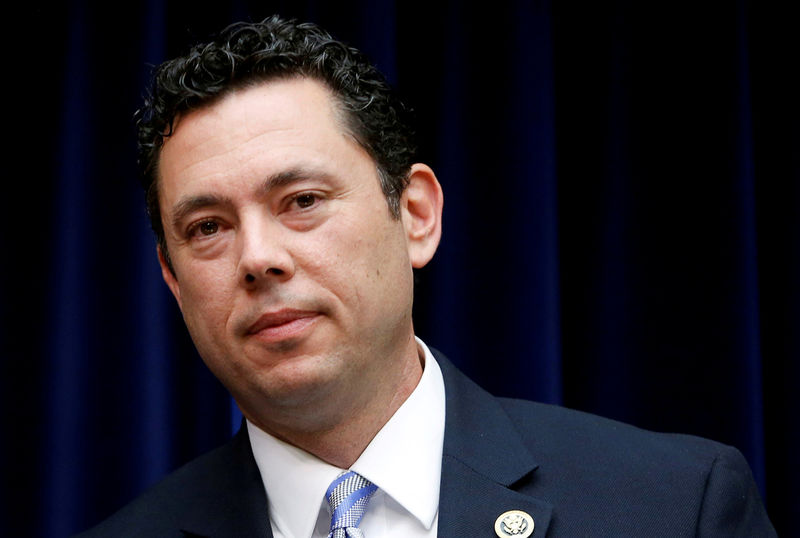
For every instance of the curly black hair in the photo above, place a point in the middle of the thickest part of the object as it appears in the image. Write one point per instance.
(247, 54)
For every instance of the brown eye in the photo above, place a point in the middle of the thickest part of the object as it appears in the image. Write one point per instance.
(208, 228)
(305, 200)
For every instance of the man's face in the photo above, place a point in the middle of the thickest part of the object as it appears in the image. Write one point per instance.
(293, 278)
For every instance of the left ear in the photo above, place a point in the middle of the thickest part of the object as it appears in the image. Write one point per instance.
(421, 207)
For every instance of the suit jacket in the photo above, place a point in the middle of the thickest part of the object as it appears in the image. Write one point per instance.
(576, 474)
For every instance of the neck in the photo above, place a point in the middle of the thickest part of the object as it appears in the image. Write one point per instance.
(339, 437)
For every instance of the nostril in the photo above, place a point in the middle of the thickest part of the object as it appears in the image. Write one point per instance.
(251, 278)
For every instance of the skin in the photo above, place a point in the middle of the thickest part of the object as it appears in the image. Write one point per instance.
(294, 279)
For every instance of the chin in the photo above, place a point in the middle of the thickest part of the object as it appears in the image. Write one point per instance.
(296, 380)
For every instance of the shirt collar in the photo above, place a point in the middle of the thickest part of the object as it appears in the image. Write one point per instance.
(404, 460)
(295, 482)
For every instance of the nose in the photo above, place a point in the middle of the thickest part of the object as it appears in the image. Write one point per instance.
(264, 254)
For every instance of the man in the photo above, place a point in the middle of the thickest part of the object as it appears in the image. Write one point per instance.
(290, 214)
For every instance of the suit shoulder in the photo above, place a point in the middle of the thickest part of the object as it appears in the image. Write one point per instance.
(629, 473)
(159, 510)
(584, 435)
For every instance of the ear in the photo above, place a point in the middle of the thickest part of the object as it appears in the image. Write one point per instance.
(169, 277)
(421, 207)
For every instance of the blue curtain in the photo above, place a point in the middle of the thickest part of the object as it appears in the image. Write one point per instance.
(621, 234)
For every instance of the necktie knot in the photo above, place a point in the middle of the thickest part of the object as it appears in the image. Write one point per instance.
(348, 496)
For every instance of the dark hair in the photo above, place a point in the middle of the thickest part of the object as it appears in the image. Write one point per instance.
(246, 54)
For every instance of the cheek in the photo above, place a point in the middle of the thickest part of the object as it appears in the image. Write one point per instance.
(352, 249)
(206, 295)
(363, 264)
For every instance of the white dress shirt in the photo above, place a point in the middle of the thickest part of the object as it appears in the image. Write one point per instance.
(404, 460)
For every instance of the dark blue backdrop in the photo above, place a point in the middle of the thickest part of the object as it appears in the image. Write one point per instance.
(622, 190)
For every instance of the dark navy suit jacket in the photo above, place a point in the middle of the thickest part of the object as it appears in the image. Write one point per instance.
(576, 474)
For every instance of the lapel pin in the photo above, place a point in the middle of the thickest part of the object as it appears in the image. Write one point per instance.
(514, 523)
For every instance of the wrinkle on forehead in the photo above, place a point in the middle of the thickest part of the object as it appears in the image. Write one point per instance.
(276, 116)
(278, 101)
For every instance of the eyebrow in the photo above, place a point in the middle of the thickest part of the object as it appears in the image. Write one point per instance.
(292, 175)
(186, 206)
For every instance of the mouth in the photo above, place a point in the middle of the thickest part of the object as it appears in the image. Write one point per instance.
(282, 325)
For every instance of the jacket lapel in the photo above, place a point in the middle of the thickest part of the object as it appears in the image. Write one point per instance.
(483, 458)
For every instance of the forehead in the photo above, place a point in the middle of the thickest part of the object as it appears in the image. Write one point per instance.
(289, 105)
(257, 130)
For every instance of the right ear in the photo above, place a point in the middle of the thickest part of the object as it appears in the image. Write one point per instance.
(169, 277)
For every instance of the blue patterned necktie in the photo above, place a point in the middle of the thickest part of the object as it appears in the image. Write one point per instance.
(348, 496)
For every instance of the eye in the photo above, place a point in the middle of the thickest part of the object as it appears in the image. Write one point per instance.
(305, 200)
(208, 227)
